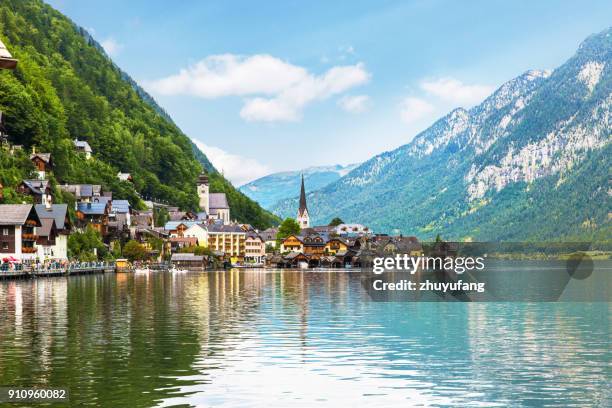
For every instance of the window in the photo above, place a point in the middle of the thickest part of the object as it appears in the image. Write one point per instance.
(5, 231)
(5, 245)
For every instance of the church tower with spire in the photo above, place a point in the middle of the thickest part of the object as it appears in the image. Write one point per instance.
(302, 216)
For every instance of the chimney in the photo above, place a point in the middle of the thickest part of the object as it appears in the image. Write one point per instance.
(33, 149)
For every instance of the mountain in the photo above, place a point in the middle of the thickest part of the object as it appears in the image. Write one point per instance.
(65, 87)
(274, 187)
(531, 162)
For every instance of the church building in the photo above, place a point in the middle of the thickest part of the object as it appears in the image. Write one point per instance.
(302, 215)
(215, 205)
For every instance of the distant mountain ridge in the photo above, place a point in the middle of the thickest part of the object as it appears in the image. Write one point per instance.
(270, 189)
(530, 162)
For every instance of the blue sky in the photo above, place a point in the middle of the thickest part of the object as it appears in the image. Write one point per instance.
(271, 86)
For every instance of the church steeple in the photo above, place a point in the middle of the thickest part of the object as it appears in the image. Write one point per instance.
(302, 216)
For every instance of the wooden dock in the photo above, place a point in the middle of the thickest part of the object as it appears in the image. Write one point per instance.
(24, 273)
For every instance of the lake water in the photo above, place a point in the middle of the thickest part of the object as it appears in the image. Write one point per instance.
(293, 338)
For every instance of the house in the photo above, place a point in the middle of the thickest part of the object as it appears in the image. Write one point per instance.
(124, 176)
(188, 260)
(94, 214)
(6, 59)
(119, 216)
(42, 162)
(18, 224)
(122, 212)
(199, 232)
(314, 245)
(352, 230)
(181, 216)
(255, 248)
(53, 235)
(178, 228)
(83, 147)
(335, 245)
(269, 236)
(83, 192)
(293, 243)
(230, 239)
(177, 243)
(39, 190)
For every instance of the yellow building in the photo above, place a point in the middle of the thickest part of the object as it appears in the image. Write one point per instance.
(335, 245)
(293, 243)
(229, 239)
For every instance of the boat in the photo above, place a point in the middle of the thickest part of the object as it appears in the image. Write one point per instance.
(174, 269)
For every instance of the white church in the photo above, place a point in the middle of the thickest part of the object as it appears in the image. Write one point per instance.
(213, 204)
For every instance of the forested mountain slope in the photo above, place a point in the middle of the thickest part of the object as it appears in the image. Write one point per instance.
(66, 88)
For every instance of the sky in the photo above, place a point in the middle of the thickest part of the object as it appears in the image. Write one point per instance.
(274, 86)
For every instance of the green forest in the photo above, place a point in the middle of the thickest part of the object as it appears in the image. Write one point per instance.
(66, 88)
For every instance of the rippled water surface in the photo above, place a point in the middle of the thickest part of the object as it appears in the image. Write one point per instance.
(293, 338)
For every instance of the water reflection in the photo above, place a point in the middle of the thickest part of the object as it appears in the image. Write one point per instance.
(281, 338)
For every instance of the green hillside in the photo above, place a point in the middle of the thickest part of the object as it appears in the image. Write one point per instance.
(66, 88)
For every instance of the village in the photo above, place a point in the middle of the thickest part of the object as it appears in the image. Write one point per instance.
(91, 228)
(38, 234)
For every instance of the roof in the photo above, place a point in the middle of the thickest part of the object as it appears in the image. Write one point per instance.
(217, 201)
(82, 144)
(82, 190)
(4, 53)
(225, 228)
(176, 215)
(172, 225)
(121, 206)
(92, 208)
(187, 257)
(56, 211)
(36, 186)
(302, 207)
(269, 234)
(46, 157)
(15, 214)
(124, 176)
(188, 240)
(252, 235)
(47, 226)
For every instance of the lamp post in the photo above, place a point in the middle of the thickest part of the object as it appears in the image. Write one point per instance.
(6, 59)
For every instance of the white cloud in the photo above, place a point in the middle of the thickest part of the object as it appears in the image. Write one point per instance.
(452, 90)
(275, 90)
(354, 104)
(238, 169)
(413, 109)
(111, 46)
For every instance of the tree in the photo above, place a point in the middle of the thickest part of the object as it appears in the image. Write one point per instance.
(288, 227)
(135, 251)
(86, 245)
(335, 222)
(160, 216)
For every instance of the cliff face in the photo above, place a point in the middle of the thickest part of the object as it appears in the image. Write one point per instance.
(529, 162)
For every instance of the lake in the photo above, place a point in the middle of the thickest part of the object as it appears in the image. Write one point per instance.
(293, 338)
